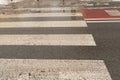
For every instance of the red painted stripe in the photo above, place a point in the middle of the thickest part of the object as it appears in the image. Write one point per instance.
(97, 13)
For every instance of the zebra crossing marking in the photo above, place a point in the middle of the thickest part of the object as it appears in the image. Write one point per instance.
(65, 40)
(50, 9)
(45, 39)
(65, 69)
(54, 69)
(40, 15)
(43, 24)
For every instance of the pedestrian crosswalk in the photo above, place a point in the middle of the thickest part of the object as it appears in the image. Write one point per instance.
(48, 29)
(40, 20)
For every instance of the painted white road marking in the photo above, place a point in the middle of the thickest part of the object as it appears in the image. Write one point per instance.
(53, 69)
(43, 24)
(40, 15)
(113, 12)
(50, 9)
(102, 21)
(64, 39)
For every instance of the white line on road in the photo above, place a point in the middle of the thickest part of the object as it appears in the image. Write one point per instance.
(102, 21)
(64, 40)
(40, 15)
(50, 9)
(43, 24)
(25, 69)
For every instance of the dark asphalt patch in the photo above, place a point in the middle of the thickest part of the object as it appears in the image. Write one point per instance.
(41, 19)
(47, 30)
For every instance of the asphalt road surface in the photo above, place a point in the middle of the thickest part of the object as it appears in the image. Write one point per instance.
(107, 39)
(89, 50)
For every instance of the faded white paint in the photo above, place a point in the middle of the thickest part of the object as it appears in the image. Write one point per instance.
(40, 15)
(3, 1)
(19, 69)
(103, 21)
(8, 1)
(43, 24)
(50, 9)
(113, 12)
(64, 39)
(115, 0)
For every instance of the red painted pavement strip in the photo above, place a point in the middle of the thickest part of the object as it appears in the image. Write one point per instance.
(98, 13)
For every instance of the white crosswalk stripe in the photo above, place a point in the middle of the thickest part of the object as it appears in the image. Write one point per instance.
(43, 24)
(41, 15)
(75, 40)
(50, 9)
(33, 69)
